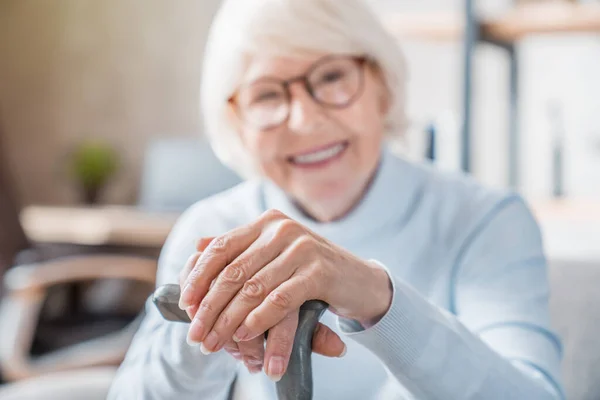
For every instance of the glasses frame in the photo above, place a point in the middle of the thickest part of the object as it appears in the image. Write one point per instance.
(286, 83)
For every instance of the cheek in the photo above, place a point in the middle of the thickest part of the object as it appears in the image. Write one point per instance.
(261, 145)
(364, 118)
(264, 150)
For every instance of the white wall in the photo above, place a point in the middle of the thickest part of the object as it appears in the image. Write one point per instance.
(562, 67)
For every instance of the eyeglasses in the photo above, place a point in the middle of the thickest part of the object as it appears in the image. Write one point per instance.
(333, 82)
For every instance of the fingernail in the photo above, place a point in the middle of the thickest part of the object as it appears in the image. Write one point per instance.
(254, 370)
(191, 342)
(196, 329)
(183, 298)
(275, 369)
(209, 343)
(240, 334)
(253, 362)
(343, 351)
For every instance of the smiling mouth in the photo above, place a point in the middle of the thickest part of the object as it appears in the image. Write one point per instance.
(319, 157)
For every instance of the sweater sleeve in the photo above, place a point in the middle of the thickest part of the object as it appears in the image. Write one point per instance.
(159, 363)
(495, 342)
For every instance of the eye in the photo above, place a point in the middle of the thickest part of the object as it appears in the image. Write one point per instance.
(331, 76)
(266, 96)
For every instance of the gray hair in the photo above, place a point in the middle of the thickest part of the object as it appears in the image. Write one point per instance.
(242, 28)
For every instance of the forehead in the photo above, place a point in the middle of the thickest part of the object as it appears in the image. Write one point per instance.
(281, 67)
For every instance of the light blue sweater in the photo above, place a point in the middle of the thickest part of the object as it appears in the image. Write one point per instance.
(469, 317)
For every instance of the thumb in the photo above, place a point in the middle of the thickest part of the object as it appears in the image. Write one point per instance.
(202, 243)
(326, 342)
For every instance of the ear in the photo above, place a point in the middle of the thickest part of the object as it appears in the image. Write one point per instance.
(235, 121)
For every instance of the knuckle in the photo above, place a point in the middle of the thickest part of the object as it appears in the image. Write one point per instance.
(254, 289)
(272, 214)
(235, 274)
(280, 300)
(286, 227)
(193, 277)
(222, 322)
(218, 246)
(316, 270)
(255, 321)
(206, 308)
(303, 244)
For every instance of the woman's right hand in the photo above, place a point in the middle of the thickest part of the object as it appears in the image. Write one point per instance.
(251, 353)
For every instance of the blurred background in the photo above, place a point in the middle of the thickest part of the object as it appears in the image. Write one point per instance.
(101, 147)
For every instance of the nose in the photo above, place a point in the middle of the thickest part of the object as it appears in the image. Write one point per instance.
(305, 114)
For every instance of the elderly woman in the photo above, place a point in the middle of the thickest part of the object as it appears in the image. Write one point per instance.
(437, 286)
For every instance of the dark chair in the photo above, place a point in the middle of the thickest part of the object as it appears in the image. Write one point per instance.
(54, 311)
(51, 332)
(12, 237)
(15, 248)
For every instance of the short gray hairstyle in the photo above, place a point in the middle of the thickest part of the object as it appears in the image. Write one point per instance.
(242, 28)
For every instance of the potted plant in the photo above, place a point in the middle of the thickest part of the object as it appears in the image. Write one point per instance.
(92, 164)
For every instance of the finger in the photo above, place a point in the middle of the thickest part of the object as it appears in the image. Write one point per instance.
(224, 249)
(236, 277)
(202, 243)
(289, 296)
(232, 348)
(217, 255)
(241, 297)
(279, 346)
(189, 265)
(252, 353)
(327, 343)
(191, 312)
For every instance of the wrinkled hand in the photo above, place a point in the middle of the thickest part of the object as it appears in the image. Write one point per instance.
(251, 353)
(254, 279)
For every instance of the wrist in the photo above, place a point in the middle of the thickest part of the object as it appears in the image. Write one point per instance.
(381, 292)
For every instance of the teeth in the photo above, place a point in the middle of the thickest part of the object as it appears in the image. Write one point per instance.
(319, 156)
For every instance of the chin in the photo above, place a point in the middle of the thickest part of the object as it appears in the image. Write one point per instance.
(333, 197)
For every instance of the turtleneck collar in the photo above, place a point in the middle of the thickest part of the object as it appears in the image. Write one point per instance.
(387, 200)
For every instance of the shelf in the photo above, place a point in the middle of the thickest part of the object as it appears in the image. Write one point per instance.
(521, 21)
(568, 210)
(97, 226)
(425, 26)
(542, 18)
(570, 228)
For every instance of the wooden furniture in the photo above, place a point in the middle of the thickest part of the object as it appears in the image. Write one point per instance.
(84, 384)
(523, 20)
(551, 17)
(97, 226)
(20, 312)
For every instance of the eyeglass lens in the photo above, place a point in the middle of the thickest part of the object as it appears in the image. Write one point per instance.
(332, 82)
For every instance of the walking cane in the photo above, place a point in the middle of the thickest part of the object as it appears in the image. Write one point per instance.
(296, 383)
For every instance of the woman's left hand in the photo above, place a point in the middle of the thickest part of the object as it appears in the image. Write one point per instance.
(253, 277)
